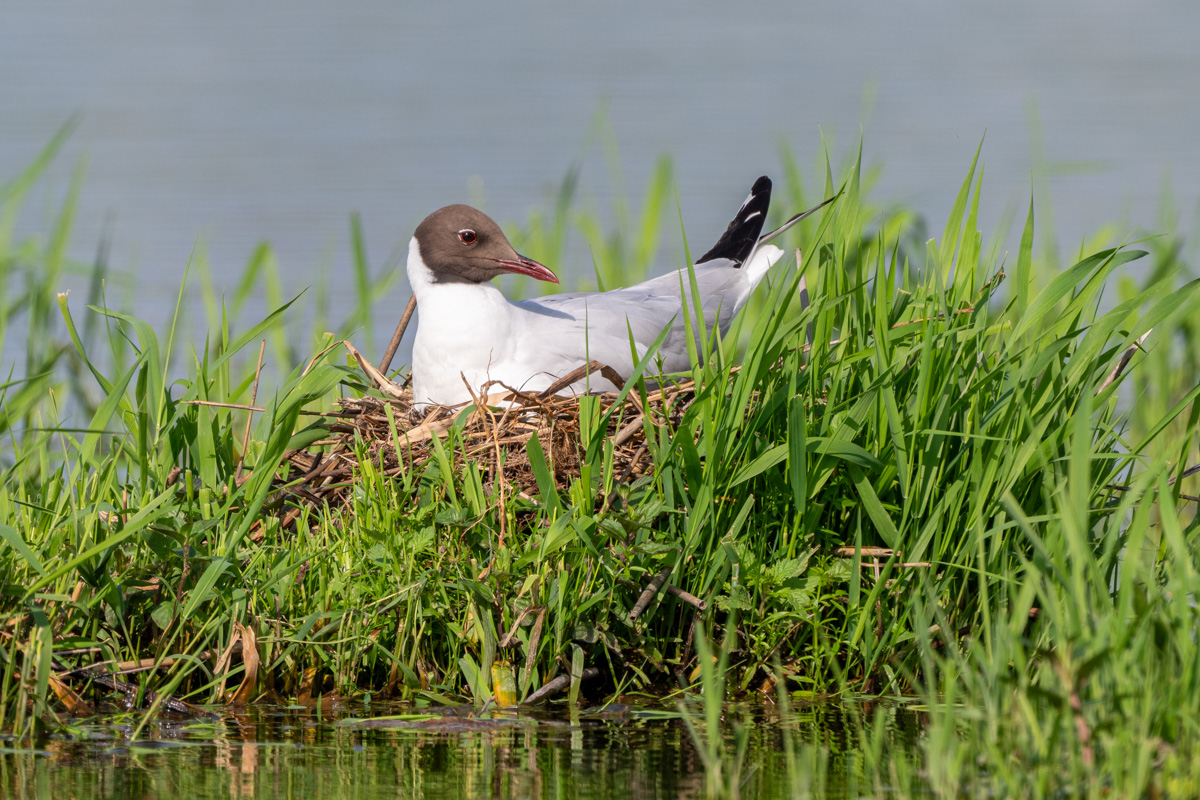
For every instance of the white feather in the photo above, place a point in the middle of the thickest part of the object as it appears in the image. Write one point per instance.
(472, 331)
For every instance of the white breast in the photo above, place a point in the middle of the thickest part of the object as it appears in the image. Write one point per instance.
(463, 330)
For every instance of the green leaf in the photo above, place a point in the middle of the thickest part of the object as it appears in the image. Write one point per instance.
(875, 510)
(1024, 261)
(835, 448)
(547, 488)
(798, 452)
(145, 515)
(785, 569)
(15, 541)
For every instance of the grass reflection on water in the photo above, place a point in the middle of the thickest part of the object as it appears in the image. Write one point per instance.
(295, 752)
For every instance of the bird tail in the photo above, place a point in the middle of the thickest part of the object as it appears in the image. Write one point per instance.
(764, 255)
(742, 236)
(761, 260)
(743, 242)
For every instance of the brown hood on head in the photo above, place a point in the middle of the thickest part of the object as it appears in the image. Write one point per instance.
(462, 244)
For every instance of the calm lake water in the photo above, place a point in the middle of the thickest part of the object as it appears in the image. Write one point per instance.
(229, 123)
(295, 752)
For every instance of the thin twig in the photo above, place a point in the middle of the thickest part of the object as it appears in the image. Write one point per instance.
(864, 552)
(510, 639)
(238, 406)
(632, 463)
(626, 433)
(581, 372)
(650, 591)
(553, 687)
(1118, 487)
(687, 597)
(1119, 367)
(130, 691)
(394, 344)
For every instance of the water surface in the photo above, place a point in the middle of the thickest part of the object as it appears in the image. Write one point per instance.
(353, 753)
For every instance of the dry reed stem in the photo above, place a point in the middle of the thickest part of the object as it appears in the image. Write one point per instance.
(1123, 361)
(556, 685)
(238, 406)
(401, 326)
(650, 591)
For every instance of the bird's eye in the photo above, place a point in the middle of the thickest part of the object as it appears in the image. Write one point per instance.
(467, 236)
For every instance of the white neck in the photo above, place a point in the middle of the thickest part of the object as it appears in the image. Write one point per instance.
(420, 277)
(473, 321)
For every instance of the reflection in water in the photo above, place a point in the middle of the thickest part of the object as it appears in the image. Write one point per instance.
(293, 752)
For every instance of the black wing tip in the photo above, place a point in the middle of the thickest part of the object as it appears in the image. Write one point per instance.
(739, 239)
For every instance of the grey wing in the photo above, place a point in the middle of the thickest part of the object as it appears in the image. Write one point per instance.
(606, 319)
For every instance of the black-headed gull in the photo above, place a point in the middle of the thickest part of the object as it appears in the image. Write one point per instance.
(469, 334)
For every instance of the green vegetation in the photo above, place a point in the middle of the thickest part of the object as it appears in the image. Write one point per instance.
(1012, 491)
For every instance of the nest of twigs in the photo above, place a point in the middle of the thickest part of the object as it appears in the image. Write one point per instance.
(494, 433)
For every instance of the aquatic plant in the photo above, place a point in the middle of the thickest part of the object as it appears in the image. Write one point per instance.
(944, 475)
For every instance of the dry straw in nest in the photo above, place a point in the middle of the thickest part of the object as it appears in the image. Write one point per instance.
(494, 433)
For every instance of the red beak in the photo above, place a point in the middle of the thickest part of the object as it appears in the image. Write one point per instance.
(527, 266)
